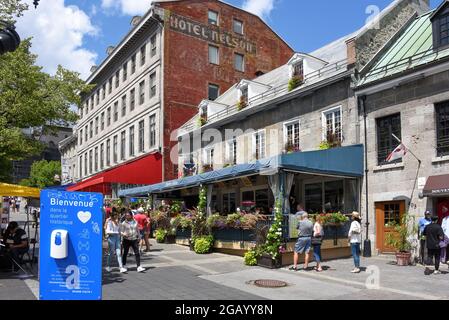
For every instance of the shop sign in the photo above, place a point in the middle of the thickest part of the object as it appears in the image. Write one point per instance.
(204, 32)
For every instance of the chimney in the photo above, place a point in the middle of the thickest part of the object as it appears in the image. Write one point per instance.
(351, 52)
(135, 20)
(93, 69)
(110, 49)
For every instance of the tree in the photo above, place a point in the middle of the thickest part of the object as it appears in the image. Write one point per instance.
(11, 9)
(31, 98)
(43, 174)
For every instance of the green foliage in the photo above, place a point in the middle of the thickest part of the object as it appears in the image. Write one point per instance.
(42, 174)
(250, 258)
(324, 145)
(273, 245)
(11, 9)
(201, 121)
(233, 218)
(202, 203)
(295, 82)
(331, 218)
(242, 104)
(160, 235)
(204, 244)
(402, 233)
(31, 98)
(175, 207)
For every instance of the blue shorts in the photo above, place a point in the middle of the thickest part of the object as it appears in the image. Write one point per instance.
(142, 233)
(303, 245)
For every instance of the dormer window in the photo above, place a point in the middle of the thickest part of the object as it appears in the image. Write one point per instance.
(444, 30)
(298, 69)
(440, 26)
(297, 75)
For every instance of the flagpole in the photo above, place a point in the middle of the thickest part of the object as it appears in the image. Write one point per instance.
(400, 141)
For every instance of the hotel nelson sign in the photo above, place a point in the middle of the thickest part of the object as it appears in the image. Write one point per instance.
(203, 32)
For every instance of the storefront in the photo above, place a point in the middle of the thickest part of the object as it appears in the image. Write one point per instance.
(437, 190)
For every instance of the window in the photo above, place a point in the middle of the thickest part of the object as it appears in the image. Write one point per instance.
(108, 152)
(103, 91)
(81, 113)
(96, 125)
(141, 136)
(386, 143)
(298, 69)
(442, 111)
(97, 98)
(86, 133)
(90, 161)
(102, 121)
(81, 136)
(143, 50)
(152, 84)
(117, 79)
(231, 152)
(123, 145)
(214, 92)
(131, 141)
(110, 85)
(124, 106)
(208, 159)
(81, 166)
(108, 112)
(85, 164)
(96, 159)
(115, 111)
(125, 71)
(132, 98)
(102, 156)
(291, 136)
(142, 92)
(332, 126)
(238, 26)
(213, 17)
(239, 62)
(133, 64)
(229, 203)
(92, 103)
(91, 131)
(114, 149)
(443, 30)
(213, 55)
(153, 130)
(258, 198)
(259, 145)
(153, 45)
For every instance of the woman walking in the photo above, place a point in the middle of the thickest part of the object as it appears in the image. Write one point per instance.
(131, 238)
(317, 239)
(113, 235)
(355, 238)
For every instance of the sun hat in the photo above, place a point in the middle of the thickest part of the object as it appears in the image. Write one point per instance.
(140, 210)
(355, 214)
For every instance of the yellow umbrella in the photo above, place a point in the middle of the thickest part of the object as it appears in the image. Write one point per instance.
(12, 190)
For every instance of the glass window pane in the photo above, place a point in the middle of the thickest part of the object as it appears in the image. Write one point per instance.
(333, 196)
(314, 198)
(238, 26)
(213, 92)
(213, 17)
(239, 62)
(213, 55)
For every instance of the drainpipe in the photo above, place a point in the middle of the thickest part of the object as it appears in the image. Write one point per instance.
(367, 242)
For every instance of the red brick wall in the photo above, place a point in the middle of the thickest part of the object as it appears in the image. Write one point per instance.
(187, 71)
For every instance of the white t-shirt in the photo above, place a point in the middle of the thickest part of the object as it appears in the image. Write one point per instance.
(355, 232)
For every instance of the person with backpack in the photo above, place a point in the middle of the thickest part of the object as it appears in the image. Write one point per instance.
(355, 239)
(434, 235)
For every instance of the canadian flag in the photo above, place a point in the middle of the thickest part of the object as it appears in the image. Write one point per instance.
(397, 153)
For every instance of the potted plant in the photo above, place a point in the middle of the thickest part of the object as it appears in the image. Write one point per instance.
(400, 239)
(291, 148)
(204, 244)
(332, 141)
(160, 235)
(242, 104)
(202, 120)
(295, 82)
(208, 167)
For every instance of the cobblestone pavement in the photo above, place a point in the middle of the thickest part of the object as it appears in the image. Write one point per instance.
(175, 273)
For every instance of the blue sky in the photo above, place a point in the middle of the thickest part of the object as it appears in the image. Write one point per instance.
(79, 31)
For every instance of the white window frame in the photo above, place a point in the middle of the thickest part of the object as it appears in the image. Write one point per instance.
(243, 62)
(229, 152)
(264, 151)
(217, 20)
(218, 54)
(233, 25)
(208, 156)
(324, 121)
(289, 123)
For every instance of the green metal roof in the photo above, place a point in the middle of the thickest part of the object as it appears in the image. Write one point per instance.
(413, 48)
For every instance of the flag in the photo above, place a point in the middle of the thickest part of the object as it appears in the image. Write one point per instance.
(397, 153)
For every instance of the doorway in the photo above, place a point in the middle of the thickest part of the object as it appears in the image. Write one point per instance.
(387, 214)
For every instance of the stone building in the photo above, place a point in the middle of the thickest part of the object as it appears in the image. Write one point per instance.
(404, 91)
(152, 81)
(67, 148)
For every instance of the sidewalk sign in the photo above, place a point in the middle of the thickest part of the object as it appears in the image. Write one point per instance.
(70, 256)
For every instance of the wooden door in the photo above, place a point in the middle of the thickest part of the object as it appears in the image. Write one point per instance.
(386, 214)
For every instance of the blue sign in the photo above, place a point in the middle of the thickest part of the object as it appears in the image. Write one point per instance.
(70, 256)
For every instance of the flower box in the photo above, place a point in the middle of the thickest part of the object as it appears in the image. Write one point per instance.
(170, 239)
(266, 261)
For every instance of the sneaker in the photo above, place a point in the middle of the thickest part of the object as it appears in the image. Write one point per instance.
(123, 270)
(437, 272)
(108, 269)
(140, 269)
(125, 266)
(356, 270)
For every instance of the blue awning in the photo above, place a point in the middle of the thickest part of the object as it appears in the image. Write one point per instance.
(343, 162)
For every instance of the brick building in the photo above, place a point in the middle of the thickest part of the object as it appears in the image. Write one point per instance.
(152, 82)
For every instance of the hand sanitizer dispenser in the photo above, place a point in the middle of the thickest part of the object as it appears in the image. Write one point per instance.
(59, 244)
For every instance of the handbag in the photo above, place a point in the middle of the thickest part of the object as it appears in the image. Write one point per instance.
(317, 240)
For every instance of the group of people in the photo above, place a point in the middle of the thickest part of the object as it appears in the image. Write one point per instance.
(311, 237)
(434, 237)
(130, 229)
(14, 244)
(13, 204)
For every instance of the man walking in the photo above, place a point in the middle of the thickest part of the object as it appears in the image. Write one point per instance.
(422, 224)
(304, 243)
(434, 234)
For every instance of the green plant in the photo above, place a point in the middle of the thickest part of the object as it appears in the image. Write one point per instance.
(199, 219)
(242, 104)
(295, 82)
(250, 258)
(273, 245)
(332, 141)
(202, 120)
(175, 207)
(204, 244)
(160, 235)
(400, 238)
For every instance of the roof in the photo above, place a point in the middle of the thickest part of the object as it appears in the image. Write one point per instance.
(412, 48)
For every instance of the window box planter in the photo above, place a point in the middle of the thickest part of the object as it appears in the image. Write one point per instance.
(170, 239)
(266, 261)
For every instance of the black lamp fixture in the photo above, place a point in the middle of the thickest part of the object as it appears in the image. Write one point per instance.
(36, 3)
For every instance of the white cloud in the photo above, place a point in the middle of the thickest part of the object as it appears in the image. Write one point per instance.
(261, 8)
(128, 7)
(58, 32)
